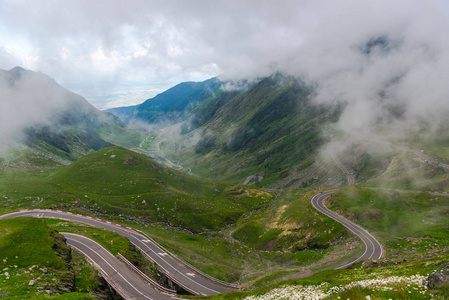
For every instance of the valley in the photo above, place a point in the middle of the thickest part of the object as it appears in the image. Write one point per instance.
(238, 186)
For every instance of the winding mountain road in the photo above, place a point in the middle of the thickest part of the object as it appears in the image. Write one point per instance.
(424, 157)
(256, 179)
(350, 180)
(184, 275)
(133, 287)
(373, 249)
(126, 282)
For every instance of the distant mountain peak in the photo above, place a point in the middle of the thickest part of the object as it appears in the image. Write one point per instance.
(16, 72)
(17, 69)
(170, 106)
(382, 44)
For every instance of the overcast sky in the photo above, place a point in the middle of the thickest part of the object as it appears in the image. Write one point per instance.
(117, 53)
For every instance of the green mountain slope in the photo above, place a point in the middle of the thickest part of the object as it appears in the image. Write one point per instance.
(36, 263)
(269, 128)
(117, 181)
(170, 106)
(46, 120)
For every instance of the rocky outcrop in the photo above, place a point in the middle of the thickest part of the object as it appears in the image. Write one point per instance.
(439, 278)
(376, 263)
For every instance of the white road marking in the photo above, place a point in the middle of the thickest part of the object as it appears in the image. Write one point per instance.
(361, 232)
(144, 242)
(136, 289)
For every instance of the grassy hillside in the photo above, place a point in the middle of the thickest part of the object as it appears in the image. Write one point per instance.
(293, 225)
(405, 281)
(413, 229)
(36, 263)
(32, 251)
(286, 240)
(169, 106)
(116, 181)
(267, 129)
(409, 225)
(103, 237)
(293, 238)
(53, 123)
(120, 182)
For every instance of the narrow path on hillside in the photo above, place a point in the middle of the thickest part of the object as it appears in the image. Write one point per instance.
(256, 179)
(350, 180)
(158, 154)
(420, 154)
(163, 159)
(409, 191)
(424, 157)
(144, 140)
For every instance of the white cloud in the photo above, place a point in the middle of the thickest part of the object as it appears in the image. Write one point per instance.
(98, 45)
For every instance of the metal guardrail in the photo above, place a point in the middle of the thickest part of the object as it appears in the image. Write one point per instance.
(180, 260)
(151, 281)
(166, 273)
(224, 283)
(114, 286)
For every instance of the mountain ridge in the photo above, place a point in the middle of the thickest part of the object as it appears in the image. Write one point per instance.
(45, 118)
(170, 105)
(267, 128)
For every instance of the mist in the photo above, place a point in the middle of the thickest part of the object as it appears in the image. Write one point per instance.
(386, 60)
(30, 99)
(27, 99)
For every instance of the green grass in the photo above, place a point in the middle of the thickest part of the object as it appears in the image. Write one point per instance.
(406, 171)
(221, 256)
(276, 128)
(103, 237)
(408, 225)
(126, 137)
(119, 243)
(150, 141)
(30, 250)
(116, 181)
(265, 244)
(133, 185)
(26, 159)
(270, 245)
(293, 225)
(213, 254)
(342, 278)
(433, 144)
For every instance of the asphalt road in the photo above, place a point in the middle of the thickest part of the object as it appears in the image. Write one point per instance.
(373, 249)
(420, 154)
(350, 180)
(184, 276)
(424, 157)
(128, 283)
(256, 178)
